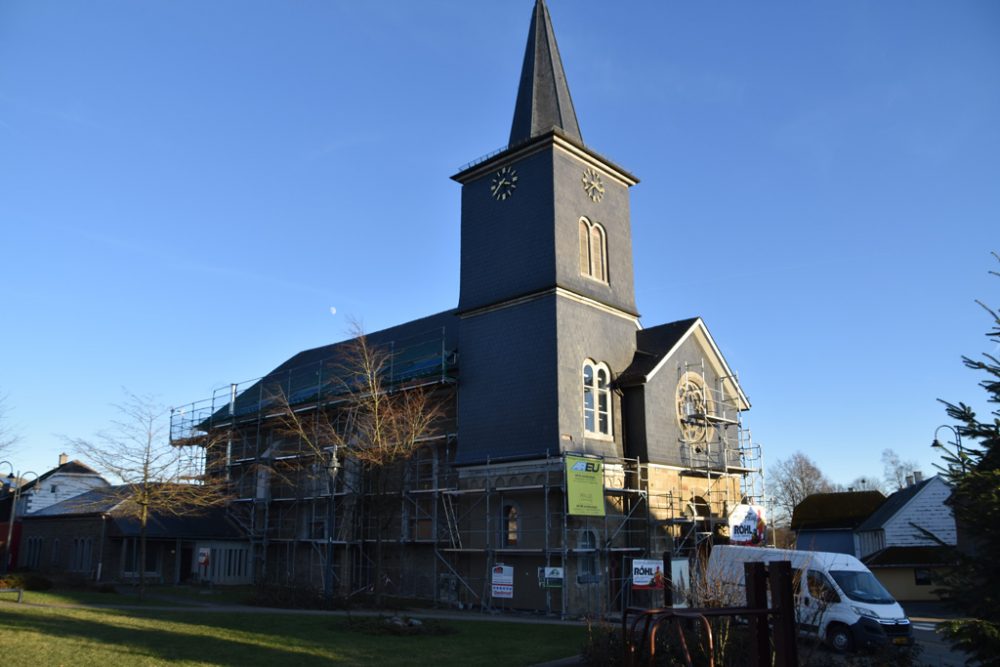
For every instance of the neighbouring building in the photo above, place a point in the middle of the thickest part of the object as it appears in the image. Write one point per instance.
(67, 480)
(88, 537)
(829, 521)
(573, 440)
(908, 540)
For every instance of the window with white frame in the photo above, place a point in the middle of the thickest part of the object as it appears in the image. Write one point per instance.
(596, 399)
(587, 570)
(593, 250)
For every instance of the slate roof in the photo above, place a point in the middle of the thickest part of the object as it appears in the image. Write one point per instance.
(210, 523)
(416, 348)
(827, 511)
(543, 99)
(909, 557)
(892, 504)
(651, 346)
(95, 501)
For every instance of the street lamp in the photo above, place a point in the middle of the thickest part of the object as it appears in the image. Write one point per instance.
(12, 483)
(957, 443)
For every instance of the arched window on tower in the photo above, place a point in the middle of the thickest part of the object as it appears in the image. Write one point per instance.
(593, 250)
(596, 399)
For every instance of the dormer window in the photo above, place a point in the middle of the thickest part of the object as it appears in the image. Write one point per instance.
(593, 250)
(596, 399)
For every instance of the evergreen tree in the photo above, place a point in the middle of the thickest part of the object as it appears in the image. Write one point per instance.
(973, 585)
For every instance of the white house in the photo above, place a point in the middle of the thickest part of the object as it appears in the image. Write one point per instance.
(68, 479)
(905, 541)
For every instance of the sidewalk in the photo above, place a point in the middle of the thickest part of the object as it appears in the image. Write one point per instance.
(929, 612)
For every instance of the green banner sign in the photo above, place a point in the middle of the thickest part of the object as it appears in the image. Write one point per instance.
(585, 486)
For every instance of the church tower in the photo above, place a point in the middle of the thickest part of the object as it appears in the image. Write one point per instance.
(547, 304)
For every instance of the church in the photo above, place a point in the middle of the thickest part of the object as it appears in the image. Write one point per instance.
(571, 440)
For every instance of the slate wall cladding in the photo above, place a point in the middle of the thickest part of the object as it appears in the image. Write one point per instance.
(508, 246)
(927, 510)
(587, 332)
(612, 212)
(508, 400)
(662, 442)
(633, 401)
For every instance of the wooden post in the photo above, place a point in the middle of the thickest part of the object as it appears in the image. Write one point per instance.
(755, 576)
(785, 649)
(668, 581)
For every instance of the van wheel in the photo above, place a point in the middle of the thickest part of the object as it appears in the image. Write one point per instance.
(839, 638)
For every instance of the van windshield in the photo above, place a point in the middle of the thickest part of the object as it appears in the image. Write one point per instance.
(861, 587)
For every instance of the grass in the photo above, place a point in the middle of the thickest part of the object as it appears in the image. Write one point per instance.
(81, 637)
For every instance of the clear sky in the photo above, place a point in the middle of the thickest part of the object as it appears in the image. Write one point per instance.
(188, 187)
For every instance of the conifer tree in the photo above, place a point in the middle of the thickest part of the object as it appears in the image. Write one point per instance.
(973, 585)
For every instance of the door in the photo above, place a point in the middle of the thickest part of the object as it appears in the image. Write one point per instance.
(816, 600)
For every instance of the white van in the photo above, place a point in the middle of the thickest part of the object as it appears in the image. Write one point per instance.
(841, 600)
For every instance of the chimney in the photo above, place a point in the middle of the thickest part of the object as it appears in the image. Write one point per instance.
(63, 459)
(918, 476)
(909, 480)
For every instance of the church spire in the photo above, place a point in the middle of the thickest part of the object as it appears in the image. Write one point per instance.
(543, 100)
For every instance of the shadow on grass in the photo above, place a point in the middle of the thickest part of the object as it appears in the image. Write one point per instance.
(118, 635)
(99, 637)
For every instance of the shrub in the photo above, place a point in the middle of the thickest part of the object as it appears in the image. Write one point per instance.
(399, 626)
(603, 646)
(26, 581)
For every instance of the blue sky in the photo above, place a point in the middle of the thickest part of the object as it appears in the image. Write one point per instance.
(186, 188)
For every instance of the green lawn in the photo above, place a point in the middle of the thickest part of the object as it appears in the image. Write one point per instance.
(54, 636)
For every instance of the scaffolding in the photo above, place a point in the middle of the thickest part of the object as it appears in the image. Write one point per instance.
(287, 496)
(716, 446)
(305, 516)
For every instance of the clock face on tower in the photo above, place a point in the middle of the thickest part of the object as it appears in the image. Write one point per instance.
(592, 184)
(503, 183)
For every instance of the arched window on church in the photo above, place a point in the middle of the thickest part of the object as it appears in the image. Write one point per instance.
(510, 525)
(596, 399)
(593, 250)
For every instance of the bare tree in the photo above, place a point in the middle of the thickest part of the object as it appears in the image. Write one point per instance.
(866, 483)
(7, 435)
(790, 481)
(155, 481)
(374, 427)
(896, 470)
(862, 483)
